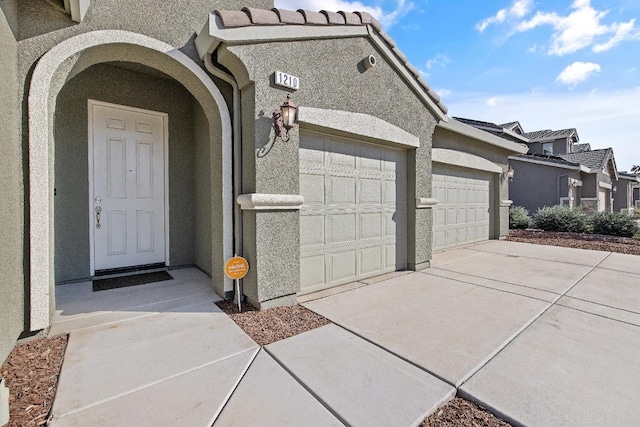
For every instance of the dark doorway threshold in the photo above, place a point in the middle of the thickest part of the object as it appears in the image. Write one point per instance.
(130, 280)
(126, 270)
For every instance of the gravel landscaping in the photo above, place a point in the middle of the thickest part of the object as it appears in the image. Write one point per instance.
(596, 242)
(462, 413)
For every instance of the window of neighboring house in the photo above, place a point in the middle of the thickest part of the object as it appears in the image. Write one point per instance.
(547, 149)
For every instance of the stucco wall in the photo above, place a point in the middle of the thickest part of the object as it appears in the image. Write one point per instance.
(535, 186)
(202, 189)
(560, 146)
(331, 78)
(623, 196)
(130, 88)
(11, 187)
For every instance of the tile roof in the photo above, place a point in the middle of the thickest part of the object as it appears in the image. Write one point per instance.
(595, 159)
(478, 123)
(250, 16)
(549, 159)
(548, 134)
(579, 148)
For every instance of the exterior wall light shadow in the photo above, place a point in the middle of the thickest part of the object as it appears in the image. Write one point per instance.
(284, 118)
(508, 174)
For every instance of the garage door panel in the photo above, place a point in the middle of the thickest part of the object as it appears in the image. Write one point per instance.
(342, 154)
(462, 213)
(343, 266)
(363, 207)
(370, 191)
(343, 190)
(342, 228)
(370, 225)
(371, 260)
(390, 192)
(312, 188)
(312, 230)
(312, 271)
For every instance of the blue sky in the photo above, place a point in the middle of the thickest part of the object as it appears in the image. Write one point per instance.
(551, 64)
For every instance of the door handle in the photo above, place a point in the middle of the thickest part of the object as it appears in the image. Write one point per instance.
(98, 211)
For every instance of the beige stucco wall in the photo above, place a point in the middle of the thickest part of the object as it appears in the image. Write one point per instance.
(187, 169)
(11, 187)
(331, 78)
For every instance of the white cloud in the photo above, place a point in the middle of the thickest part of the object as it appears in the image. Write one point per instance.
(386, 18)
(519, 9)
(580, 28)
(577, 72)
(603, 118)
(494, 101)
(443, 92)
(440, 60)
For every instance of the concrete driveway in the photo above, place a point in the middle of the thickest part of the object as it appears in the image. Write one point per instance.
(541, 335)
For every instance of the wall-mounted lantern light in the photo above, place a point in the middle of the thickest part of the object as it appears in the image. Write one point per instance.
(508, 174)
(284, 118)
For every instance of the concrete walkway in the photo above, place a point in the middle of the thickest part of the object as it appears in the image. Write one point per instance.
(541, 335)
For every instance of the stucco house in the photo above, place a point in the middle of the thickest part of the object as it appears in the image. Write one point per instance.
(557, 169)
(145, 135)
(623, 194)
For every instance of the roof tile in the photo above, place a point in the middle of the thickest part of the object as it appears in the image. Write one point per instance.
(594, 159)
(334, 18)
(233, 18)
(432, 93)
(252, 16)
(413, 69)
(314, 18)
(262, 16)
(289, 16)
(424, 83)
(400, 55)
(350, 18)
(387, 38)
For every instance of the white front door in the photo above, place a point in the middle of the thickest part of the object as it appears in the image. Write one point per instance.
(127, 186)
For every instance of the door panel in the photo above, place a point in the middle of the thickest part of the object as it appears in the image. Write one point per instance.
(352, 223)
(128, 200)
(462, 214)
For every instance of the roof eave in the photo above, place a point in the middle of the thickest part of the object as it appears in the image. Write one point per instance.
(214, 33)
(489, 138)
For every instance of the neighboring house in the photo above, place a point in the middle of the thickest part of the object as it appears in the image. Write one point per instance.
(557, 169)
(623, 192)
(130, 140)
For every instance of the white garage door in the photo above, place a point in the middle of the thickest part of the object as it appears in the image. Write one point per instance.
(352, 223)
(462, 214)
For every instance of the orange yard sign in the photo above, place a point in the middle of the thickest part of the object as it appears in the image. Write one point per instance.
(236, 268)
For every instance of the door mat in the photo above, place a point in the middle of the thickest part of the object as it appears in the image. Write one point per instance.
(123, 282)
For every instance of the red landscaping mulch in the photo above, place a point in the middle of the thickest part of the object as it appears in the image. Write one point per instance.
(31, 373)
(462, 413)
(273, 324)
(596, 242)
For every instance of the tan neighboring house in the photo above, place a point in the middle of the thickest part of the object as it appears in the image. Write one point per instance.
(145, 136)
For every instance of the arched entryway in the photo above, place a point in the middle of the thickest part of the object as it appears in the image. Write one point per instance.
(86, 67)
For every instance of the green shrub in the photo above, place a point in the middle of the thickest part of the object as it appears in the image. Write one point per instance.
(636, 213)
(614, 224)
(518, 217)
(560, 218)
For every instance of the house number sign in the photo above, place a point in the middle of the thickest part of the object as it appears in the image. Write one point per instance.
(287, 80)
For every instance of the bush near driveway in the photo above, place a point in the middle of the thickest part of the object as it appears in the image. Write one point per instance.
(560, 218)
(614, 224)
(518, 218)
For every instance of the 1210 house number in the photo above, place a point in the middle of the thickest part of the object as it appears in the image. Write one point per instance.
(287, 80)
